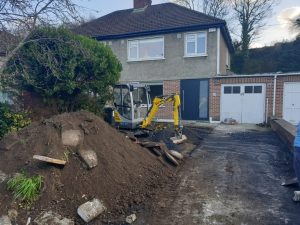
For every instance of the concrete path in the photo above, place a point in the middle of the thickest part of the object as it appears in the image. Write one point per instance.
(233, 178)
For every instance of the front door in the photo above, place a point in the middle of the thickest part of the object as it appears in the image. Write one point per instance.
(194, 99)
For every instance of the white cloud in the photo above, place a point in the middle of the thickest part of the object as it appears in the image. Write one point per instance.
(288, 14)
(281, 30)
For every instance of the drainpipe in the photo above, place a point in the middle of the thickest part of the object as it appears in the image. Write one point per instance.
(218, 50)
(274, 95)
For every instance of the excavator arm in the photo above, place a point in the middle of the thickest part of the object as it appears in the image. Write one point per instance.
(161, 100)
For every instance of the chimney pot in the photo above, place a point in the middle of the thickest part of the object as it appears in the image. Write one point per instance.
(138, 4)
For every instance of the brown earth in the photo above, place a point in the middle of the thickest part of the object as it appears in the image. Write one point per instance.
(126, 174)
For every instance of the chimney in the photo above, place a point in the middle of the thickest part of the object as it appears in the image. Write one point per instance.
(139, 4)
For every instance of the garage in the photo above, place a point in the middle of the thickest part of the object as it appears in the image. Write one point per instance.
(243, 102)
(291, 102)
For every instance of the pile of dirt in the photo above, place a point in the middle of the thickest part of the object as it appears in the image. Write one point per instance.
(125, 176)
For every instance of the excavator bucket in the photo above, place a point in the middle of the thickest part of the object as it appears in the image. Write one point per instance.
(178, 139)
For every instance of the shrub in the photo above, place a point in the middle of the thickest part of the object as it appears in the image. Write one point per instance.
(65, 69)
(26, 189)
(11, 121)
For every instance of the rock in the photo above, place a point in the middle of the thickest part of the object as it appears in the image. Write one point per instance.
(3, 177)
(90, 210)
(51, 218)
(4, 220)
(130, 219)
(9, 141)
(177, 155)
(230, 121)
(171, 158)
(72, 138)
(12, 214)
(89, 157)
(162, 205)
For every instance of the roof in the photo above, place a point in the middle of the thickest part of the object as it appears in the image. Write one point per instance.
(155, 19)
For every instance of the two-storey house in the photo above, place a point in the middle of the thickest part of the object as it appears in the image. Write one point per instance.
(169, 47)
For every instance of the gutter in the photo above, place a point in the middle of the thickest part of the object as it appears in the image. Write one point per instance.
(171, 30)
(259, 75)
(159, 31)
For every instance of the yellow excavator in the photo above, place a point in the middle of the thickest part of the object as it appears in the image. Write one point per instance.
(132, 109)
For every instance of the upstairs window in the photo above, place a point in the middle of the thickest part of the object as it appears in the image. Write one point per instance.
(146, 49)
(196, 44)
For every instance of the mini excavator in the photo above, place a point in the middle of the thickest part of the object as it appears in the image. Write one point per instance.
(132, 109)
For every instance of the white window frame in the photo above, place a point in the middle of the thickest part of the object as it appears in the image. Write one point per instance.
(141, 40)
(186, 54)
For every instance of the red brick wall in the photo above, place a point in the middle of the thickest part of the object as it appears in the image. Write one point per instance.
(169, 87)
(215, 92)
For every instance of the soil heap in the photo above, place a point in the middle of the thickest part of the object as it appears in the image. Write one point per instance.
(126, 173)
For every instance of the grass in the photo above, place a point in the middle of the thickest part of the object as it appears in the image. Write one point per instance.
(26, 189)
(66, 156)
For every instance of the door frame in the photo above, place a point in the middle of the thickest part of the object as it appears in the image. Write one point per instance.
(208, 96)
(264, 92)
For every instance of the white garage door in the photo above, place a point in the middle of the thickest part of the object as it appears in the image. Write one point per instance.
(291, 102)
(243, 102)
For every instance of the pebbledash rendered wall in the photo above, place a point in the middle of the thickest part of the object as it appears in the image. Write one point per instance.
(215, 91)
(173, 86)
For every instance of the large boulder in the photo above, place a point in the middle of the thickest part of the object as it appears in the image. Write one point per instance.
(72, 138)
(90, 210)
(89, 157)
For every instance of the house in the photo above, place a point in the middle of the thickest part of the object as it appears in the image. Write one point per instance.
(2, 47)
(6, 40)
(177, 50)
(169, 47)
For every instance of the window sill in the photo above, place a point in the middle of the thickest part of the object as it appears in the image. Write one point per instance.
(142, 60)
(195, 56)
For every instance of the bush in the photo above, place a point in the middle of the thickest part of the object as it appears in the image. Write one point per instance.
(11, 121)
(64, 69)
(26, 189)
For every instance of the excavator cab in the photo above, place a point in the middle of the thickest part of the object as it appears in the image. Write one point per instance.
(132, 109)
(131, 104)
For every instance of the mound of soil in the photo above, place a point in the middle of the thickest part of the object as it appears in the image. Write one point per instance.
(125, 176)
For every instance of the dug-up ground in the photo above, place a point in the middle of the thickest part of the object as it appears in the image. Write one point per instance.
(231, 175)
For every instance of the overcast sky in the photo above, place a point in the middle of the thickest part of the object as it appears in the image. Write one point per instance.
(277, 28)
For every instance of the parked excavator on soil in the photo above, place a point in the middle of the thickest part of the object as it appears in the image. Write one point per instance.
(132, 109)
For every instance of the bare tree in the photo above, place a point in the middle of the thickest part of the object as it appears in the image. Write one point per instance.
(296, 22)
(216, 8)
(26, 15)
(251, 15)
(30, 13)
(191, 4)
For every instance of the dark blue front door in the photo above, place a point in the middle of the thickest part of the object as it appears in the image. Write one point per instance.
(194, 99)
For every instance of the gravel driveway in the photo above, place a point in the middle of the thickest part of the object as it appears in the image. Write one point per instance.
(233, 178)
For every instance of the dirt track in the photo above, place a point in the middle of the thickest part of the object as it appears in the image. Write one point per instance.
(232, 178)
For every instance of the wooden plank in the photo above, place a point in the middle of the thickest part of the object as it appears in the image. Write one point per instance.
(50, 160)
(149, 144)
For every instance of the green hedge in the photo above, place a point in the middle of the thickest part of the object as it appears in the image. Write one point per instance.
(74, 72)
